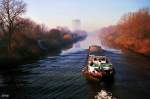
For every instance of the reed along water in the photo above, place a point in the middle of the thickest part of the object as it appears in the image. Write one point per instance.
(60, 77)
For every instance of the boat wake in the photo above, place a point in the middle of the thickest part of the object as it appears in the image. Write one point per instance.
(103, 94)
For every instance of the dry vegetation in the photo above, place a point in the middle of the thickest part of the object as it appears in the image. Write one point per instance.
(23, 39)
(132, 32)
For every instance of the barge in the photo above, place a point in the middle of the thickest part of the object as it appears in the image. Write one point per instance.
(98, 67)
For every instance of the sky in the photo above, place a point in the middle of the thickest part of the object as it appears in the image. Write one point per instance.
(94, 14)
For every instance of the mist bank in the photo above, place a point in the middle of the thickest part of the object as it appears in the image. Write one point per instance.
(132, 32)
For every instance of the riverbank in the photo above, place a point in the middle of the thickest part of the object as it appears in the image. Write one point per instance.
(124, 49)
(23, 40)
(26, 49)
(132, 32)
(142, 54)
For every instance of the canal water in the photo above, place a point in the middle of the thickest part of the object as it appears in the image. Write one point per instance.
(60, 77)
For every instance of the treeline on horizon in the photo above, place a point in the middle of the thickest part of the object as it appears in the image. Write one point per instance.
(132, 32)
(22, 39)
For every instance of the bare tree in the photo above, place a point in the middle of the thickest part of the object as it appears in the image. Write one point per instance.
(10, 11)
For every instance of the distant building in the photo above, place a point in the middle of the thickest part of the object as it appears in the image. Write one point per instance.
(76, 25)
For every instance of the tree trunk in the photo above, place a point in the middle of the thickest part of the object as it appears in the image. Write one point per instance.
(9, 47)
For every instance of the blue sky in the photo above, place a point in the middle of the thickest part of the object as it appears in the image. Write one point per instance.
(93, 14)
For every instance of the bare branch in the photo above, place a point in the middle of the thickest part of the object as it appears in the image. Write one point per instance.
(10, 11)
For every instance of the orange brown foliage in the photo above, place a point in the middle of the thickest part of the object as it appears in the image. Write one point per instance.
(131, 32)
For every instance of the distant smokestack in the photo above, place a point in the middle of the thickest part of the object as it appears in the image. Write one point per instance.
(76, 24)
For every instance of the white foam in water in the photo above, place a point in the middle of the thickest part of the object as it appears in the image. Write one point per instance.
(52, 57)
(103, 94)
(113, 50)
(72, 50)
